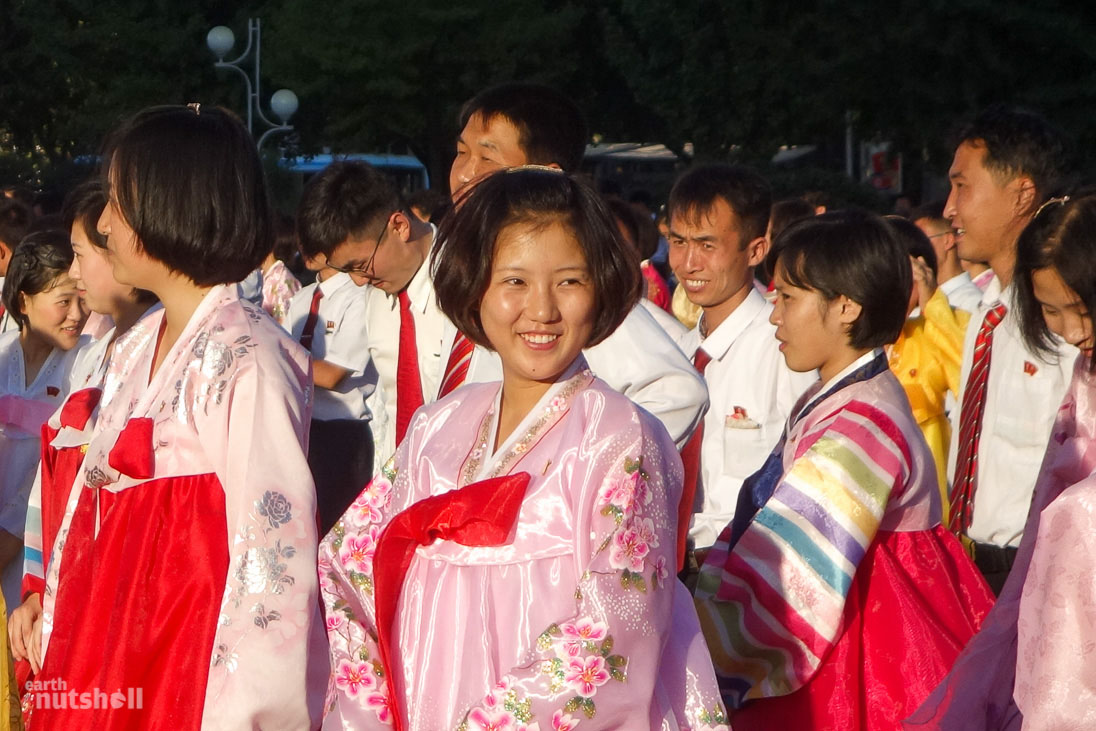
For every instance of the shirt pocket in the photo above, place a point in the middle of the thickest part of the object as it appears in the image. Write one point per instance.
(745, 448)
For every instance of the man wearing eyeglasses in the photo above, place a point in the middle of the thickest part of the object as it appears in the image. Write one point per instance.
(952, 279)
(354, 221)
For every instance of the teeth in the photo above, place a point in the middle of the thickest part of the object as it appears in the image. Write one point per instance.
(695, 282)
(539, 339)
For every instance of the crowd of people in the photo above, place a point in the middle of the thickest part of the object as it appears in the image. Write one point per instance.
(527, 458)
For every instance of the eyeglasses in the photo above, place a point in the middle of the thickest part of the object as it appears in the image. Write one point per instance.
(366, 269)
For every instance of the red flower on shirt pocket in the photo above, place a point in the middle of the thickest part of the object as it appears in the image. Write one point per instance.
(1030, 368)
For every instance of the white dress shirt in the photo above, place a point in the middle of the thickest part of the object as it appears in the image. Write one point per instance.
(638, 360)
(962, 293)
(341, 338)
(1023, 393)
(752, 394)
(384, 347)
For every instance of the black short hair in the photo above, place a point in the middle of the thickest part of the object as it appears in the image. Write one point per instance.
(15, 220)
(933, 211)
(347, 199)
(189, 182)
(431, 200)
(914, 241)
(83, 206)
(461, 263)
(1020, 142)
(551, 128)
(747, 193)
(39, 259)
(1062, 236)
(852, 253)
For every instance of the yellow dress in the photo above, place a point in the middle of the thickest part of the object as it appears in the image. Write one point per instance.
(926, 359)
(11, 718)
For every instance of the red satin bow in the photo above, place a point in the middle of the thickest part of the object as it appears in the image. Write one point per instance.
(132, 453)
(481, 514)
(79, 407)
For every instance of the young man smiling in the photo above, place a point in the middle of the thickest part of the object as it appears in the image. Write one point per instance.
(718, 217)
(522, 124)
(1007, 163)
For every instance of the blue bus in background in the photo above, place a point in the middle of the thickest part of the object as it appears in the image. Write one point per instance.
(407, 170)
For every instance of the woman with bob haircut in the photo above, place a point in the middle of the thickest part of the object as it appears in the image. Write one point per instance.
(836, 599)
(512, 566)
(183, 566)
(1028, 665)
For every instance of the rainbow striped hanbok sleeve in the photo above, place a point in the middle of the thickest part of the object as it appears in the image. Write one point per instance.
(771, 609)
(33, 570)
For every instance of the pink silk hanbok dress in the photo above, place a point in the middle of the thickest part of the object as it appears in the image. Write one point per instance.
(1032, 665)
(184, 564)
(573, 619)
(279, 286)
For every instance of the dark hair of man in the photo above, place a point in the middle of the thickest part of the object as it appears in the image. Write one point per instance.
(83, 206)
(1019, 142)
(37, 261)
(788, 211)
(15, 220)
(189, 182)
(747, 193)
(432, 201)
(933, 211)
(851, 253)
(462, 262)
(1062, 237)
(348, 199)
(914, 240)
(551, 129)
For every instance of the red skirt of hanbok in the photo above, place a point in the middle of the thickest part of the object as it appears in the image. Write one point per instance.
(136, 608)
(915, 602)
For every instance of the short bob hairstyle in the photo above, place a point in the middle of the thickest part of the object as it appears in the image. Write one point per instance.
(189, 182)
(852, 253)
(462, 262)
(37, 262)
(1062, 237)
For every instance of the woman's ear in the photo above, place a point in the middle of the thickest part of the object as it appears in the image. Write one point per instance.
(848, 311)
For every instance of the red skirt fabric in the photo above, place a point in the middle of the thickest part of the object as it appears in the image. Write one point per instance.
(137, 607)
(914, 603)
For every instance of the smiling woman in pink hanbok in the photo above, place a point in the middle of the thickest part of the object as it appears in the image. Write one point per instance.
(512, 566)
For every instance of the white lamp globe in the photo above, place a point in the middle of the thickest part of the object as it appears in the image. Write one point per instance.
(220, 40)
(284, 104)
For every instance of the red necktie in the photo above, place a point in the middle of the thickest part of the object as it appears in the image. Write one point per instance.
(480, 514)
(690, 458)
(313, 318)
(408, 383)
(456, 368)
(970, 424)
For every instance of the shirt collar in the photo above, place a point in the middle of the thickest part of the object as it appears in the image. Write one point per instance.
(420, 290)
(334, 283)
(720, 340)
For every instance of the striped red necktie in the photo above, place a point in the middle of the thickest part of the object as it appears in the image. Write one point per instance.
(456, 368)
(690, 459)
(970, 424)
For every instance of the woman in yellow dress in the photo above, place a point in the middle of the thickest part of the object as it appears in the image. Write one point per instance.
(927, 355)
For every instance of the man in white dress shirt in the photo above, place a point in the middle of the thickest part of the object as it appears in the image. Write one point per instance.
(1006, 165)
(519, 124)
(363, 228)
(718, 220)
(15, 220)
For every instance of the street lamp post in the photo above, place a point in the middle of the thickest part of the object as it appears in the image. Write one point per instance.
(283, 102)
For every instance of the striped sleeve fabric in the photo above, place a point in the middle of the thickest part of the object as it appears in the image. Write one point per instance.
(33, 570)
(771, 609)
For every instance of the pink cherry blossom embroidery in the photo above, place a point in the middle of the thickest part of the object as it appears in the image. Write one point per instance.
(585, 675)
(377, 701)
(628, 550)
(323, 566)
(661, 570)
(621, 494)
(497, 696)
(372, 500)
(354, 678)
(563, 722)
(491, 720)
(356, 552)
(645, 528)
(335, 622)
(576, 634)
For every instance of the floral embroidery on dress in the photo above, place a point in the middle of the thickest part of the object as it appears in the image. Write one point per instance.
(263, 570)
(714, 720)
(583, 662)
(501, 711)
(360, 682)
(625, 501)
(275, 508)
(355, 536)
